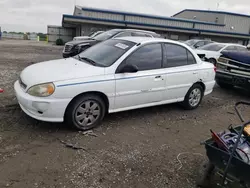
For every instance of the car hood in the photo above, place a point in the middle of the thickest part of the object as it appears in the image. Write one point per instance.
(242, 57)
(58, 70)
(76, 42)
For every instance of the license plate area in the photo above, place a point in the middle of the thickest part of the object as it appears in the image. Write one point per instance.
(239, 81)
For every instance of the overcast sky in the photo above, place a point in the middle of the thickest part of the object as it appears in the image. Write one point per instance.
(35, 15)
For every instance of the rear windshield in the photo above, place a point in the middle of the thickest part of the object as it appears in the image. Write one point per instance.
(106, 53)
(190, 42)
(212, 47)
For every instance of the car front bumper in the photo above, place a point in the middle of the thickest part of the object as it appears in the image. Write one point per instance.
(233, 79)
(44, 109)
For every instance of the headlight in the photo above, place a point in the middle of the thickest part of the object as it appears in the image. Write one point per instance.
(42, 90)
(223, 60)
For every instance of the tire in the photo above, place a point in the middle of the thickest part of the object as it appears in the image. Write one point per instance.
(213, 61)
(85, 112)
(193, 97)
(205, 176)
(224, 85)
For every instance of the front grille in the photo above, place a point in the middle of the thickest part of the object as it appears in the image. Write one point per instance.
(23, 85)
(67, 48)
(240, 65)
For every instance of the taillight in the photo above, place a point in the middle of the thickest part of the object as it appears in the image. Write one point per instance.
(215, 68)
(1, 90)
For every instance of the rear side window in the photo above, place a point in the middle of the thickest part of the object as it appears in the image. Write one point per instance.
(241, 48)
(123, 34)
(140, 34)
(231, 48)
(176, 56)
(147, 57)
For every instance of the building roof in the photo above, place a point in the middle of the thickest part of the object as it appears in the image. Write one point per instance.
(213, 12)
(145, 15)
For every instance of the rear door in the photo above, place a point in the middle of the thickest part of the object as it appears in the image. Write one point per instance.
(181, 71)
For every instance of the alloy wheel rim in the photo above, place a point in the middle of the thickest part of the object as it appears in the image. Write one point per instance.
(195, 97)
(87, 113)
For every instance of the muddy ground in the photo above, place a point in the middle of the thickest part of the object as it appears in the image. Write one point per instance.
(137, 148)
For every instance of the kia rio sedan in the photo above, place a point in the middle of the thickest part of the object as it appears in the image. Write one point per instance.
(112, 76)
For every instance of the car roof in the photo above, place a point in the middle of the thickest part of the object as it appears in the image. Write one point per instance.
(138, 30)
(231, 44)
(146, 40)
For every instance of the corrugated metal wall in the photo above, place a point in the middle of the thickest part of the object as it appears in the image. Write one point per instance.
(13, 36)
(58, 32)
(233, 23)
(202, 16)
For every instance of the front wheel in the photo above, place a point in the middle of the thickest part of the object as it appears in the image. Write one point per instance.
(213, 61)
(193, 97)
(85, 112)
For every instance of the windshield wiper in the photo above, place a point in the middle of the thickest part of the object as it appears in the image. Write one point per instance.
(88, 60)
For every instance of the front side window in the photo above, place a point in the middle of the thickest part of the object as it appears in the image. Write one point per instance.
(147, 57)
(176, 56)
(199, 44)
(212, 47)
(105, 53)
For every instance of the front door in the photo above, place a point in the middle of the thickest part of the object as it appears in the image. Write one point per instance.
(135, 90)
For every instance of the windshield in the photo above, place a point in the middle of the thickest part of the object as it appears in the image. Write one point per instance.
(106, 35)
(212, 47)
(105, 53)
(190, 42)
(95, 34)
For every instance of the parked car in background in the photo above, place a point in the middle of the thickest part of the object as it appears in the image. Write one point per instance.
(233, 69)
(92, 35)
(115, 75)
(75, 47)
(196, 43)
(213, 51)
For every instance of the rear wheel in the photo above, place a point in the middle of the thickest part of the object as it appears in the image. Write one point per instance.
(85, 112)
(193, 97)
(206, 173)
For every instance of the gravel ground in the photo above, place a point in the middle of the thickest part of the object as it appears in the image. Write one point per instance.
(137, 148)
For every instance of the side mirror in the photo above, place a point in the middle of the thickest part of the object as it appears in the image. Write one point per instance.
(129, 69)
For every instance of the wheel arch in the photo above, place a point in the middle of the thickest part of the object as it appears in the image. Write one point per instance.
(97, 93)
(201, 84)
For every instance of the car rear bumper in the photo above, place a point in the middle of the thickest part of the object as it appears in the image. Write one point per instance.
(233, 79)
(44, 109)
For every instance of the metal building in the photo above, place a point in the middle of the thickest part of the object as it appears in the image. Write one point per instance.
(214, 25)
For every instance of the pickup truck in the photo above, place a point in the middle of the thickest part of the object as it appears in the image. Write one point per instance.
(233, 69)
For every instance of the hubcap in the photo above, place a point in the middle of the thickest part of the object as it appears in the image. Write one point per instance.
(195, 97)
(87, 113)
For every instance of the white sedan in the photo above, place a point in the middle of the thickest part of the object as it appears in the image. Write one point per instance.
(112, 76)
(213, 51)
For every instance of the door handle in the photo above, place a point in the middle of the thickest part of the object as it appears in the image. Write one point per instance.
(195, 72)
(158, 77)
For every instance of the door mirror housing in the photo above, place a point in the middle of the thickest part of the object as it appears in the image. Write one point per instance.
(129, 68)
